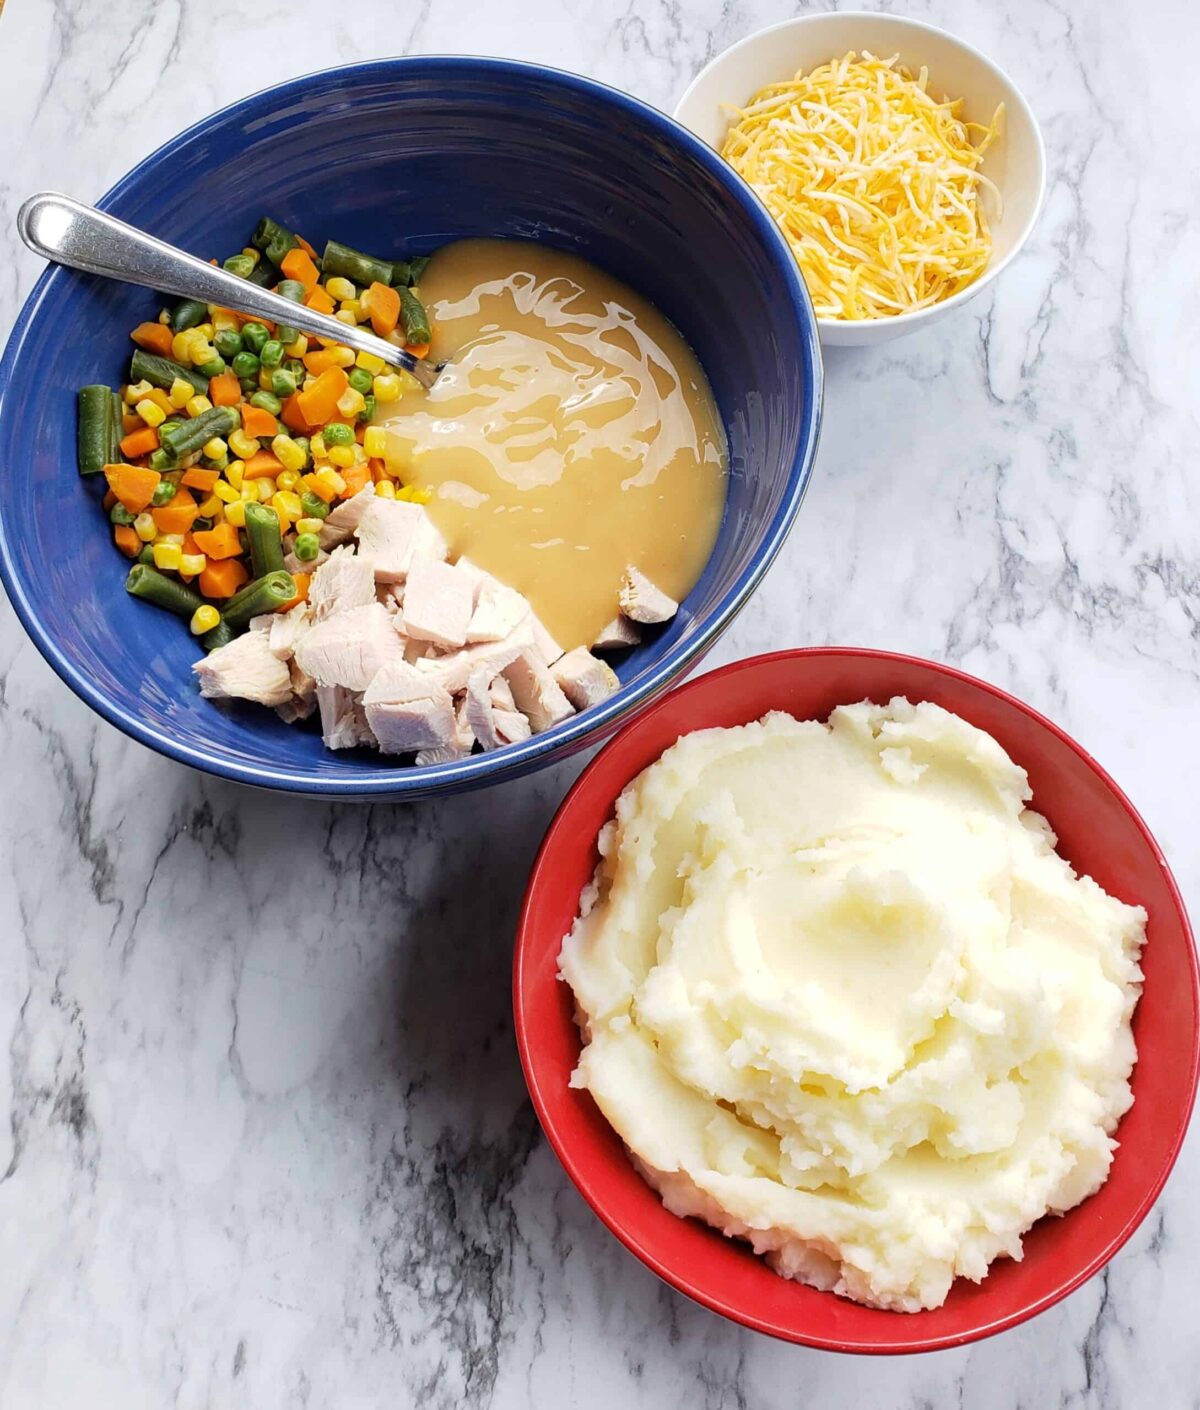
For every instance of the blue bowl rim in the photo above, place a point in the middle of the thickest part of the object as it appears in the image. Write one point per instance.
(572, 734)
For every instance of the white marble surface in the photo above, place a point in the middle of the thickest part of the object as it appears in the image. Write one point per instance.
(265, 1139)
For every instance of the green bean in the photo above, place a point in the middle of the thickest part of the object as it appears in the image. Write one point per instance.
(192, 435)
(264, 274)
(146, 555)
(187, 313)
(161, 460)
(368, 409)
(148, 583)
(163, 372)
(291, 289)
(221, 635)
(416, 320)
(266, 542)
(94, 439)
(416, 267)
(241, 265)
(118, 411)
(264, 594)
(267, 401)
(273, 239)
(295, 367)
(255, 336)
(313, 505)
(351, 264)
(401, 272)
(228, 342)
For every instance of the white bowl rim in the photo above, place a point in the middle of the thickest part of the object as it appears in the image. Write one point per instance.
(901, 321)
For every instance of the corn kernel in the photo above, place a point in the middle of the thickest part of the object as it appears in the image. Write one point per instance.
(201, 351)
(150, 412)
(176, 539)
(287, 480)
(288, 453)
(375, 442)
(338, 289)
(317, 445)
(248, 493)
(386, 388)
(242, 445)
(205, 330)
(181, 393)
(287, 502)
(167, 556)
(370, 363)
(224, 492)
(208, 507)
(412, 494)
(181, 345)
(252, 254)
(343, 315)
(198, 405)
(265, 487)
(203, 619)
(235, 514)
(350, 403)
(354, 308)
(164, 315)
(234, 472)
(135, 392)
(298, 348)
(386, 489)
(265, 379)
(329, 483)
(309, 526)
(145, 527)
(223, 320)
(192, 563)
(341, 456)
(342, 356)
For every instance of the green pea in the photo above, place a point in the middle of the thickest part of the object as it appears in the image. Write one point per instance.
(337, 434)
(201, 523)
(146, 555)
(283, 382)
(228, 342)
(161, 460)
(271, 354)
(164, 493)
(213, 368)
(118, 514)
(361, 380)
(241, 265)
(307, 547)
(296, 368)
(267, 401)
(313, 505)
(245, 364)
(255, 336)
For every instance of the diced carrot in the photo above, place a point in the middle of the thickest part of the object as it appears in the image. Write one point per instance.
(319, 402)
(322, 359)
(305, 246)
(302, 581)
(176, 516)
(154, 337)
(133, 485)
(161, 400)
(419, 349)
(221, 541)
(356, 477)
(257, 422)
(222, 579)
(130, 421)
(383, 306)
(297, 264)
(264, 463)
(189, 543)
(292, 417)
(109, 499)
(140, 442)
(127, 540)
(200, 479)
(319, 300)
(224, 390)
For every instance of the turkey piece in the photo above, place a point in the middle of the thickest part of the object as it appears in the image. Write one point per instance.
(583, 678)
(343, 521)
(343, 721)
(349, 648)
(438, 602)
(642, 601)
(245, 669)
(619, 634)
(453, 671)
(343, 581)
(394, 533)
(538, 696)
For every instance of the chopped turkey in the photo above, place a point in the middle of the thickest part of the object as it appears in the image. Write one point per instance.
(409, 726)
(397, 683)
(244, 669)
(642, 601)
(453, 671)
(502, 696)
(548, 648)
(348, 648)
(343, 521)
(344, 581)
(304, 696)
(437, 603)
(498, 611)
(343, 721)
(477, 706)
(583, 678)
(512, 726)
(459, 747)
(286, 630)
(395, 532)
(415, 650)
(619, 633)
(537, 695)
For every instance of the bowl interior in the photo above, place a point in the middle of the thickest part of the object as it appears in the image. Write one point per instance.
(414, 152)
(1099, 833)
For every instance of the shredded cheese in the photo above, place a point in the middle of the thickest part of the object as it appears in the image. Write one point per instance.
(874, 184)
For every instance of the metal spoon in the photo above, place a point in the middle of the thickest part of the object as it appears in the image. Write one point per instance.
(75, 235)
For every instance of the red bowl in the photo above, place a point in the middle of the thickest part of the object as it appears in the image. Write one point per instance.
(1099, 832)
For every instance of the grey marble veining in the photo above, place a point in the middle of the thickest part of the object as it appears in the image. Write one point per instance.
(265, 1139)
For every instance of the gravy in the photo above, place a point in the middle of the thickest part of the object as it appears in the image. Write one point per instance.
(573, 433)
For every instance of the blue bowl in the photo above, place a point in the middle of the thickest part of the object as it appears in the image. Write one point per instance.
(407, 154)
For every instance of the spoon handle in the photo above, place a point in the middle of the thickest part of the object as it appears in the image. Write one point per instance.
(80, 237)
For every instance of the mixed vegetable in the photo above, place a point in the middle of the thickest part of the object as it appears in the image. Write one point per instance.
(233, 438)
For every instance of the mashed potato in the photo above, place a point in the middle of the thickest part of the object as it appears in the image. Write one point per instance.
(844, 1000)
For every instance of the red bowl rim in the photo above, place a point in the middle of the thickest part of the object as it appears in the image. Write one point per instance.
(676, 1278)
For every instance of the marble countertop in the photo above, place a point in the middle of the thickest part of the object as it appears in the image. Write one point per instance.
(265, 1140)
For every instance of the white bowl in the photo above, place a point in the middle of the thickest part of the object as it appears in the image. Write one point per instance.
(1016, 162)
